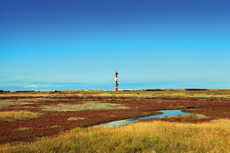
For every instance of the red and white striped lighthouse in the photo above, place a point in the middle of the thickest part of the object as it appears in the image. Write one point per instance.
(116, 84)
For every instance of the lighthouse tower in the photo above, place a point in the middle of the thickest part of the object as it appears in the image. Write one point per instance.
(116, 84)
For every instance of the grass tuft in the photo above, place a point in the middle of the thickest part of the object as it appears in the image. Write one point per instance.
(17, 115)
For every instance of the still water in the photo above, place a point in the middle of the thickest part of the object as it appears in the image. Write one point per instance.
(128, 121)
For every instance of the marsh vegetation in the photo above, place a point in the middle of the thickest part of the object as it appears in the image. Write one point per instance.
(63, 121)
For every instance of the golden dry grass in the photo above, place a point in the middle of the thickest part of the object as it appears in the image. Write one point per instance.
(86, 106)
(151, 136)
(17, 115)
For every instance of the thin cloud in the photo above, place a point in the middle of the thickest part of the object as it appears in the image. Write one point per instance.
(30, 86)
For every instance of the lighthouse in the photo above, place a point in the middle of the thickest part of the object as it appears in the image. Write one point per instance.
(116, 84)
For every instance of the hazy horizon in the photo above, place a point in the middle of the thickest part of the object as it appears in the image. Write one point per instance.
(153, 44)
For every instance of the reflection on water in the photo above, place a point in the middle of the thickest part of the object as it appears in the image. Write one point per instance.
(127, 121)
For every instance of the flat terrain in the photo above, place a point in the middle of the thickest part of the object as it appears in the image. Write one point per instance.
(29, 116)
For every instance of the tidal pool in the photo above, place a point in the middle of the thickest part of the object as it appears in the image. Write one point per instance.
(128, 121)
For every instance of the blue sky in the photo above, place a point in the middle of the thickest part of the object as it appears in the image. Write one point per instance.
(79, 44)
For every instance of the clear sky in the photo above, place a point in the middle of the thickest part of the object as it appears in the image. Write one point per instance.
(79, 44)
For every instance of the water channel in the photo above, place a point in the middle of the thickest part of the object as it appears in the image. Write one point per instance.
(128, 121)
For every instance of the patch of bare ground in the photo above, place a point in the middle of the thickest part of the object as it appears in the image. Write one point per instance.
(6, 103)
(23, 128)
(188, 118)
(54, 126)
(81, 107)
(75, 118)
(26, 99)
(21, 101)
(196, 116)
